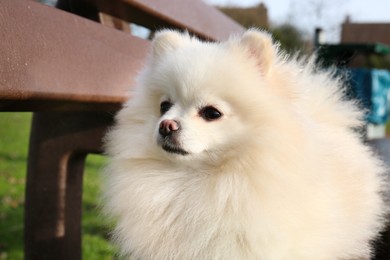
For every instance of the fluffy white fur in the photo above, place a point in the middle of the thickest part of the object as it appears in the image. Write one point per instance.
(280, 175)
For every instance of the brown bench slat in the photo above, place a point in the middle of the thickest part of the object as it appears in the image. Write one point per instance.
(192, 15)
(53, 60)
(50, 59)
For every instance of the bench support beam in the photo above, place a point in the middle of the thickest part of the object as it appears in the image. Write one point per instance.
(59, 144)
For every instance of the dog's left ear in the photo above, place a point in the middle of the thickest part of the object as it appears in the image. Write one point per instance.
(166, 41)
(259, 46)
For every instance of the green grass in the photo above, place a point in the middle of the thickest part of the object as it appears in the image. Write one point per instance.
(14, 136)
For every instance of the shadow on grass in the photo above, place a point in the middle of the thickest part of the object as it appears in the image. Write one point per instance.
(13, 157)
(11, 232)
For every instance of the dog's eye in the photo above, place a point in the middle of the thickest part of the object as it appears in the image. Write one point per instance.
(165, 106)
(210, 113)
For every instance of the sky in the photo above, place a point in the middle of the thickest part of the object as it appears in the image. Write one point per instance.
(327, 14)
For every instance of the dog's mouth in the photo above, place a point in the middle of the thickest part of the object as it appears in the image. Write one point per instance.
(174, 149)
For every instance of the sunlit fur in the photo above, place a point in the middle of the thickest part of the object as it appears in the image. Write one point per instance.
(281, 175)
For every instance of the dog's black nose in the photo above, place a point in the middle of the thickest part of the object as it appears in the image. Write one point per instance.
(167, 127)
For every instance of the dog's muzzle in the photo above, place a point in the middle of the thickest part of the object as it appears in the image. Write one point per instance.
(169, 130)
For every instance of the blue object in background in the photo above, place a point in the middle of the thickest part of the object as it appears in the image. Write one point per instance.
(371, 87)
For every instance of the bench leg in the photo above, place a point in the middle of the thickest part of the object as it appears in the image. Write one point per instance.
(59, 144)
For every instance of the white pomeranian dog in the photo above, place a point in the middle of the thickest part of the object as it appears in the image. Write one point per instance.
(232, 150)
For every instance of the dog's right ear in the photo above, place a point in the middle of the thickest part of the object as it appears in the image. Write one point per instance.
(166, 41)
(260, 46)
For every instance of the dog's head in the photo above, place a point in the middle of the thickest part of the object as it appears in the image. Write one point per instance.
(201, 97)
(197, 125)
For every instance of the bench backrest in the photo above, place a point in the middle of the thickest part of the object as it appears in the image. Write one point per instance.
(54, 61)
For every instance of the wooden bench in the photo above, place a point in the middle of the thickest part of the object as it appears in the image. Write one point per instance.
(74, 74)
